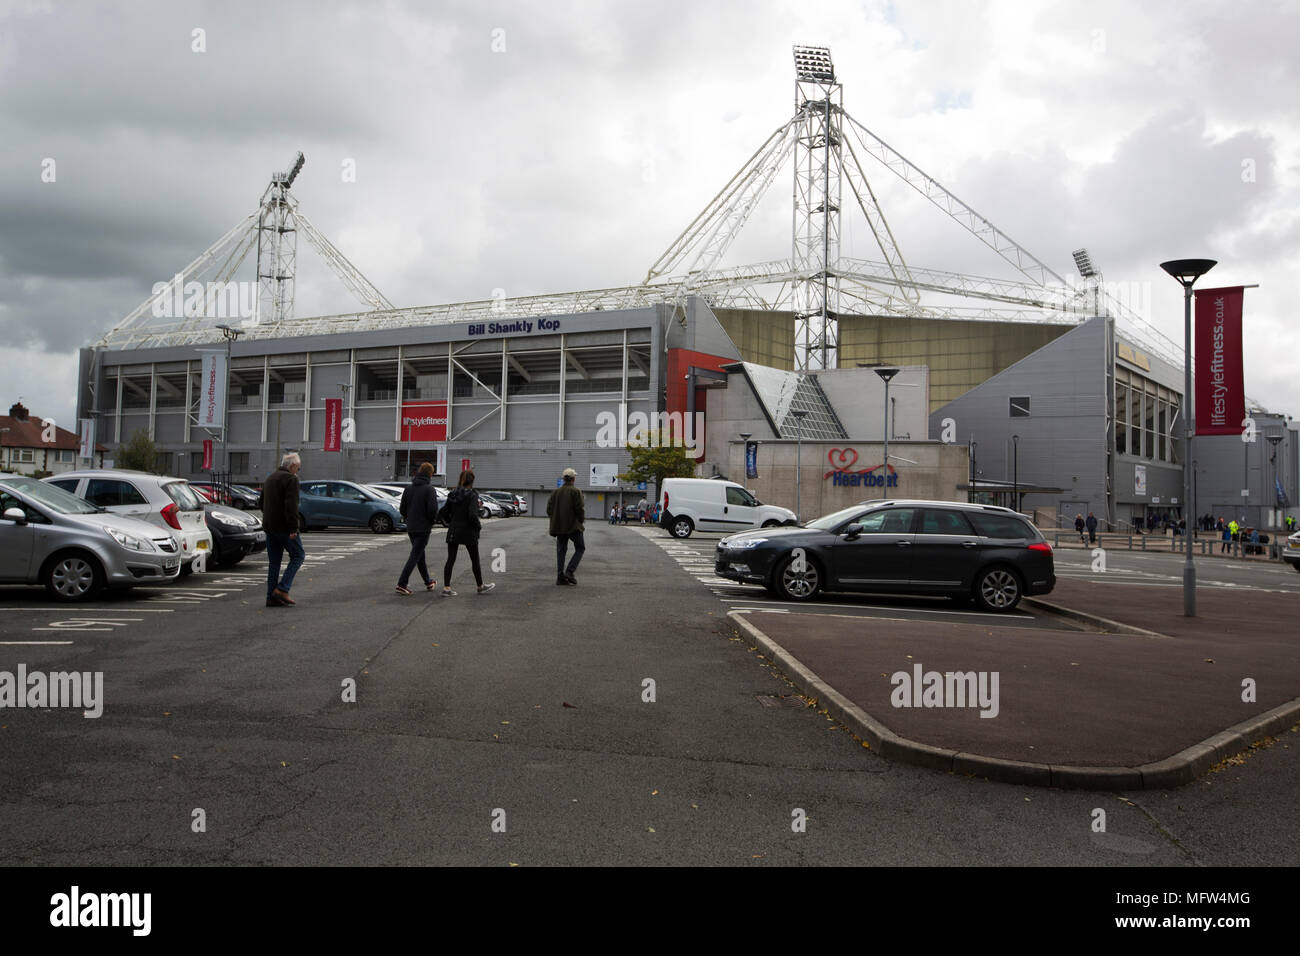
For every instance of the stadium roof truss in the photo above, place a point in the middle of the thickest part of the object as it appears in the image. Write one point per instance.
(827, 149)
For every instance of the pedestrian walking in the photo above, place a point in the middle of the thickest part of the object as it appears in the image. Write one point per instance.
(280, 522)
(460, 514)
(565, 509)
(419, 508)
(613, 515)
(1091, 525)
(1078, 526)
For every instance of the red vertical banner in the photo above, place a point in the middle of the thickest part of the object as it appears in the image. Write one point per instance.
(207, 454)
(333, 424)
(464, 464)
(1220, 384)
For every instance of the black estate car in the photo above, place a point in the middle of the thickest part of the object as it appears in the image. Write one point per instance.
(989, 554)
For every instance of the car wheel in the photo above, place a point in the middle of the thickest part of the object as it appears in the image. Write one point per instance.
(771, 524)
(302, 524)
(681, 527)
(73, 577)
(240, 504)
(797, 585)
(997, 589)
(381, 524)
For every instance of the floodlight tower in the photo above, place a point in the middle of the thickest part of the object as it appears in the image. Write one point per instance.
(277, 246)
(819, 107)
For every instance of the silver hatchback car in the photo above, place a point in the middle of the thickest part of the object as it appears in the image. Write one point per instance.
(74, 548)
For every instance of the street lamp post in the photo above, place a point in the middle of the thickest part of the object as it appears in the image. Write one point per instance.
(1273, 440)
(1187, 271)
(1015, 473)
(229, 334)
(886, 374)
(799, 415)
(344, 388)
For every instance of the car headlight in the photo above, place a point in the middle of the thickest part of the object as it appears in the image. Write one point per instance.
(745, 545)
(228, 523)
(130, 542)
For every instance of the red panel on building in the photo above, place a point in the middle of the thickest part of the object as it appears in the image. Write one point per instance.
(679, 363)
(424, 421)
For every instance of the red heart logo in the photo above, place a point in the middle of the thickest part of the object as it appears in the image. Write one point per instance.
(845, 462)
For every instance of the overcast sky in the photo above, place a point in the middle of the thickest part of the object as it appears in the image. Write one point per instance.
(549, 147)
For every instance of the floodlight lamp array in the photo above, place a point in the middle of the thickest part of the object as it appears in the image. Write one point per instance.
(814, 63)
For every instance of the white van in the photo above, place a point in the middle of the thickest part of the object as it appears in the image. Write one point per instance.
(709, 504)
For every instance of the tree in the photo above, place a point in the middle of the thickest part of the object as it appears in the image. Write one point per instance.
(656, 460)
(139, 453)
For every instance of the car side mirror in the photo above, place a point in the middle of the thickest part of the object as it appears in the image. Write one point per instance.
(16, 515)
(852, 531)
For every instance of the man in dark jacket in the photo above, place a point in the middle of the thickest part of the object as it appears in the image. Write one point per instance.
(566, 511)
(1091, 524)
(419, 510)
(280, 522)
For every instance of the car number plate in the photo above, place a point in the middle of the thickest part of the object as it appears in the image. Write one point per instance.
(202, 546)
(171, 566)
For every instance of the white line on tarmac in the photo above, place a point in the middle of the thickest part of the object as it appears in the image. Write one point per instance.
(33, 643)
(97, 610)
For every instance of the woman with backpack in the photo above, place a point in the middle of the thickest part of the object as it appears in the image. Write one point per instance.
(460, 514)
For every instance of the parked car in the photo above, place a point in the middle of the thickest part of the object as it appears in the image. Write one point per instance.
(707, 504)
(490, 507)
(394, 490)
(163, 501)
(235, 534)
(983, 552)
(74, 548)
(507, 501)
(346, 504)
(239, 496)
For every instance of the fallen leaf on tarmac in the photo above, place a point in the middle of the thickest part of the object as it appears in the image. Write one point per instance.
(650, 829)
(514, 864)
(1209, 660)
(1074, 663)
(175, 757)
(167, 713)
(570, 706)
(695, 806)
(654, 793)
(909, 657)
(505, 721)
(437, 645)
(757, 856)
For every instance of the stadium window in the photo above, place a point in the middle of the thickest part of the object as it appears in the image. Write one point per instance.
(1020, 406)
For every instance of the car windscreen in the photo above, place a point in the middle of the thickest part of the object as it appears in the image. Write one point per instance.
(56, 499)
(185, 498)
(829, 522)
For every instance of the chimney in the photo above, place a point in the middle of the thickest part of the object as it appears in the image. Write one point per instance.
(18, 412)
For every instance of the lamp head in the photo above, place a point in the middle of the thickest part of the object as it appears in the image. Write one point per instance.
(1188, 271)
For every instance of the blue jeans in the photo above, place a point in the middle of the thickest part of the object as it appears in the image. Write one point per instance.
(562, 545)
(276, 546)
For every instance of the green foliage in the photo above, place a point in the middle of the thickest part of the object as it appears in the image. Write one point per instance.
(654, 461)
(139, 453)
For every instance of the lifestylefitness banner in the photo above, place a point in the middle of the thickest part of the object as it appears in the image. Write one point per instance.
(1220, 385)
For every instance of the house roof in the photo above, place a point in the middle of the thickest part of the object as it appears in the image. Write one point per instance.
(24, 431)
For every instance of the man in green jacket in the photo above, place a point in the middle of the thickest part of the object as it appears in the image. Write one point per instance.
(565, 509)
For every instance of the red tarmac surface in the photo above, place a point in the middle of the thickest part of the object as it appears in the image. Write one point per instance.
(1070, 698)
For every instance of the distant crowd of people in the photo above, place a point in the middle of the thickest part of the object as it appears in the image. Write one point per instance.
(641, 513)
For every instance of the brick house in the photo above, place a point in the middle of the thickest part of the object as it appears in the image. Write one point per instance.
(24, 451)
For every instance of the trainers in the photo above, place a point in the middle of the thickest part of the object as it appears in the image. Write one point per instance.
(485, 588)
(431, 586)
(570, 579)
(448, 592)
(401, 589)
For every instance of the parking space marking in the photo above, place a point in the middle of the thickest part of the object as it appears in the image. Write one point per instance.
(34, 643)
